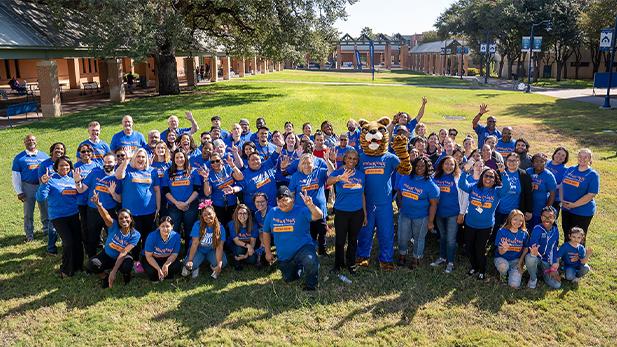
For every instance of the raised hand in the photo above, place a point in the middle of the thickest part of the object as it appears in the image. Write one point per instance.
(333, 155)
(306, 198)
(285, 162)
(189, 115)
(424, 100)
(503, 245)
(230, 161)
(45, 177)
(228, 190)
(203, 171)
(95, 198)
(533, 250)
(346, 174)
(234, 148)
(77, 175)
(112, 187)
(483, 109)
(501, 167)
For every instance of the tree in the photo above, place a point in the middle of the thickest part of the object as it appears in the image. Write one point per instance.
(563, 15)
(368, 32)
(598, 15)
(274, 29)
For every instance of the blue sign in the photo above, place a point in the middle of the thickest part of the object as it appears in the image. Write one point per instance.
(606, 38)
(525, 43)
(372, 54)
(358, 61)
(460, 50)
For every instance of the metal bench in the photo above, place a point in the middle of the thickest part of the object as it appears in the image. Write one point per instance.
(21, 108)
(89, 86)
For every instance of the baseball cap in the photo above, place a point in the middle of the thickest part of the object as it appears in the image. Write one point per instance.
(283, 191)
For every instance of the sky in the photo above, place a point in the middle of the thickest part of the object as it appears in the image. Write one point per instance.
(392, 16)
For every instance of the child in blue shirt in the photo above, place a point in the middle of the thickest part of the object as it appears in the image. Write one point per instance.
(542, 250)
(574, 256)
(511, 239)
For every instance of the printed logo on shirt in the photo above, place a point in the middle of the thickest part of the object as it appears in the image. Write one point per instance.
(162, 252)
(180, 183)
(535, 186)
(573, 256)
(351, 185)
(374, 171)
(513, 245)
(310, 187)
(374, 167)
(206, 240)
(283, 225)
(444, 189)
(33, 166)
(145, 180)
(102, 189)
(571, 182)
(262, 183)
(69, 192)
(410, 195)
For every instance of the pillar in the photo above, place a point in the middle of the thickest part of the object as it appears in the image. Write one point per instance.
(103, 76)
(226, 67)
(189, 71)
(404, 57)
(242, 67)
(73, 64)
(214, 69)
(388, 56)
(262, 66)
(465, 62)
(452, 65)
(339, 57)
(270, 66)
(47, 74)
(116, 82)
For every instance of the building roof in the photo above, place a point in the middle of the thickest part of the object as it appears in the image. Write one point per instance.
(435, 46)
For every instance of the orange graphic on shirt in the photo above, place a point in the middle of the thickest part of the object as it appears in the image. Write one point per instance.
(571, 182)
(310, 187)
(69, 192)
(141, 180)
(33, 166)
(180, 183)
(410, 195)
(102, 189)
(283, 229)
(374, 172)
(444, 189)
(352, 186)
(262, 183)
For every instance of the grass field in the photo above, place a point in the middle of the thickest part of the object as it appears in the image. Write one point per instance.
(403, 307)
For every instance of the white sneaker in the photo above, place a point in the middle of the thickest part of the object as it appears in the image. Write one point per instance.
(532, 284)
(449, 268)
(438, 262)
(576, 279)
(195, 273)
(185, 271)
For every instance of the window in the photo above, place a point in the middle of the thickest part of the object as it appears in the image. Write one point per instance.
(7, 68)
(83, 65)
(17, 73)
(580, 64)
(96, 68)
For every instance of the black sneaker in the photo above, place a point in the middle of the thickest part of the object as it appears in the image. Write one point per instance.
(126, 277)
(105, 282)
(309, 289)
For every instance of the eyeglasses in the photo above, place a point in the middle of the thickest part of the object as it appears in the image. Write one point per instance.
(452, 134)
(260, 201)
(243, 214)
(120, 155)
(352, 158)
(547, 217)
(489, 177)
(217, 161)
(85, 151)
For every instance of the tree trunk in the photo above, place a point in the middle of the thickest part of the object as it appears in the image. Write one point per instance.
(167, 74)
(500, 73)
(565, 70)
(510, 66)
(559, 70)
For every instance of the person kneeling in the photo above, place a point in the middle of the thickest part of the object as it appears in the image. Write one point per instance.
(510, 241)
(244, 234)
(121, 239)
(160, 258)
(207, 239)
(574, 256)
(290, 227)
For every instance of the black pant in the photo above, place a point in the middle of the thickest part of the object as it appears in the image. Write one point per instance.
(224, 214)
(570, 220)
(557, 207)
(476, 241)
(92, 241)
(153, 275)
(101, 262)
(144, 224)
(500, 219)
(318, 232)
(83, 220)
(347, 226)
(72, 249)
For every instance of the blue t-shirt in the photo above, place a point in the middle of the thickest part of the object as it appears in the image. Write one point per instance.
(266, 151)
(570, 255)
(179, 132)
(130, 143)
(246, 137)
(116, 241)
(161, 248)
(448, 196)
(28, 165)
(138, 191)
(483, 133)
(353, 138)
(349, 194)
(293, 156)
(229, 142)
(505, 148)
(61, 196)
(220, 180)
(243, 234)
(206, 241)
(576, 184)
(512, 199)
(161, 168)
(86, 169)
(313, 184)
(547, 242)
(516, 242)
(558, 170)
(99, 181)
(262, 180)
(290, 230)
(340, 153)
(415, 193)
(99, 149)
(260, 219)
(378, 170)
(482, 202)
(542, 185)
(44, 166)
(182, 184)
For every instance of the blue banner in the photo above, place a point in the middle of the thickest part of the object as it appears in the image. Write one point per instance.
(358, 61)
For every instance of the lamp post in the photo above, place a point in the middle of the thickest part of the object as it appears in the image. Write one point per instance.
(548, 28)
(607, 98)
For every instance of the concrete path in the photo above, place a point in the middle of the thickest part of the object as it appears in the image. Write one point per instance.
(582, 95)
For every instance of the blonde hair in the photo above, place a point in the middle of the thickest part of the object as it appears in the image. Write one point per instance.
(508, 223)
(133, 161)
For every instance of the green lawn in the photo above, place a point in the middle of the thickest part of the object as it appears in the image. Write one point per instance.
(403, 307)
(381, 77)
(564, 84)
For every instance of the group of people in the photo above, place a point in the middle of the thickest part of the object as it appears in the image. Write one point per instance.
(164, 204)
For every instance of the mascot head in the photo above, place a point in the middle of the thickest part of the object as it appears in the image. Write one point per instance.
(374, 137)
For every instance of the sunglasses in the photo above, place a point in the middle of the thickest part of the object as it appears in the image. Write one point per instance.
(85, 151)
(452, 134)
(120, 155)
(215, 161)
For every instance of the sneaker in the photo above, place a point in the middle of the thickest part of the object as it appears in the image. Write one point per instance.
(29, 239)
(576, 279)
(138, 268)
(482, 276)
(532, 284)
(105, 282)
(449, 268)
(401, 260)
(415, 262)
(353, 269)
(471, 272)
(126, 277)
(195, 273)
(362, 262)
(309, 289)
(438, 262)
(185, 271)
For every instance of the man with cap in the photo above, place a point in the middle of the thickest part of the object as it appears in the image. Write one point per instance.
(289, 225)
(484, 131)
(216, 122)
(173, 123)
(246, 130)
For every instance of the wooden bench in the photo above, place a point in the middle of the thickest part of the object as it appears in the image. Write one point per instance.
(21, 108)
(90, 86)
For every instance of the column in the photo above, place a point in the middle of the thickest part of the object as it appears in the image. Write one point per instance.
(388, 56)
(116, 82)
(262, 65)
(73, 64)
(254, 65)
(242, 67)
(226, 67)
(339, 57)
(459, 60)
(465, 62)
(189, 71)
(452, 64)
(270, 66)
(47, 75)
(103, 76)
(214, 68)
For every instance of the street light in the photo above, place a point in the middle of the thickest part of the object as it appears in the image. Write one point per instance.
(548, 25)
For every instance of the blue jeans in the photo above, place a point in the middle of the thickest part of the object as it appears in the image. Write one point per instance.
(208, 254)
(238, 251)
(510, 268)
(532, 263)
(186, 218)
(412, 228)
(574, 272)
(447, 239)
(304, 261)
(29, 191)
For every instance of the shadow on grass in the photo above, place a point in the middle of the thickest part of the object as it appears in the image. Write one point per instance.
(582, 121)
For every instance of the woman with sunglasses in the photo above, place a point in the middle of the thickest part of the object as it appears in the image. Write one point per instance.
(83, 167)
(220, 185)
(484, 196)
(58, 188)
(349, 210)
